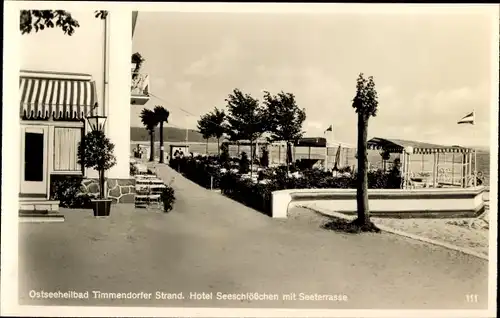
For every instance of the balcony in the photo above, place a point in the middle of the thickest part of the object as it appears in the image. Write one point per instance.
(139, 89)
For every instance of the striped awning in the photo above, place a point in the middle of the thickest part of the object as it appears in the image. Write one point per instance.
(398, 145)
(56, 98)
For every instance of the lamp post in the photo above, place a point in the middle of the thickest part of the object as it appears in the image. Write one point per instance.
(97, 122)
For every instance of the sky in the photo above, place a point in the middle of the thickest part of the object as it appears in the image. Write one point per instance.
(429, 69)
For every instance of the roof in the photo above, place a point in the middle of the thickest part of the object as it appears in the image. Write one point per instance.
(397, 146)
(243, 142)
(311, 142)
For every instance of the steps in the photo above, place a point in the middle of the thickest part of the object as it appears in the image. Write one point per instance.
(39, 211)
(39, 216)
(38, 205)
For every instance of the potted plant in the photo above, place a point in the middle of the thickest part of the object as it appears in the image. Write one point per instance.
(137, 61)
(96, 151)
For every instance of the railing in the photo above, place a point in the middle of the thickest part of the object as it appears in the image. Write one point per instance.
(140, 84)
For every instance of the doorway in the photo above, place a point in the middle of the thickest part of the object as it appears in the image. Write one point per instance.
(34, 150)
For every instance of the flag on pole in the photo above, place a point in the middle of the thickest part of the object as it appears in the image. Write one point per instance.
(467, 119)
(329, 129)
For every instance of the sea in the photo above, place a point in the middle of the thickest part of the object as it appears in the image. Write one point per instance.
(419, 163)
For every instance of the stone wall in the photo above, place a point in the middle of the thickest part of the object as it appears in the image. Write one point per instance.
(119, 190)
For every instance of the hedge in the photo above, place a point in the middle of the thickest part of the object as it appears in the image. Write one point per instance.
(259, 195)
(199, 170)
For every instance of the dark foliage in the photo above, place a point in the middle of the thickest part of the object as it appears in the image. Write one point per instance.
(256, 196)
(161, 114)
(224, 158)
(96, 151)
(67, 189)
(168, 198)
(264, 159)
(205, 171)
(133, 169)
(40, 20)
(244, 163)
(150, 121)
(212, 124)
(138, 60)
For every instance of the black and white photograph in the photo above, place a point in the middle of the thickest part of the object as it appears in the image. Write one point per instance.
(266, 159)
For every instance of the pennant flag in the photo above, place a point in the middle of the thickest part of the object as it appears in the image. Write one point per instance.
(329, 129)
(467, 119)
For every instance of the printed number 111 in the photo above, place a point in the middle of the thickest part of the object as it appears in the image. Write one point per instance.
(472, 298)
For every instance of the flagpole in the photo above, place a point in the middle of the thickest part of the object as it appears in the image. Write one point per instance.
(187, 133)
(475, 152)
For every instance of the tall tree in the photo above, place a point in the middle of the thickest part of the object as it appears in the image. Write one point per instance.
(40, 20)
(150, 122)
(284, 119)
(204, 127)
(365, 104)
(217, 119)
(246, 119)
(161, 114)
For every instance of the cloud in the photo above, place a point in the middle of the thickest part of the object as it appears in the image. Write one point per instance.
(313, 126)
(157, 83)
(432, 115)
(215, 62)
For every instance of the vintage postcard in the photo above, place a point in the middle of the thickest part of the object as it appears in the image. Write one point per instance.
(264, 160)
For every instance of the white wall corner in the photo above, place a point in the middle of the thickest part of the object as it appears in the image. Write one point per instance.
(118, 108)
(280, 202)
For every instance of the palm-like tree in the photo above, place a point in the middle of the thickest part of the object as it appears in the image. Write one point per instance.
(365, 103)
(149, 120)
(161, 114)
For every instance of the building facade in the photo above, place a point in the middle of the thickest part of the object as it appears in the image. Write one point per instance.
(63, 80)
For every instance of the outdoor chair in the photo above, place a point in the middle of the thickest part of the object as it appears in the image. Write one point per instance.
(148, 192)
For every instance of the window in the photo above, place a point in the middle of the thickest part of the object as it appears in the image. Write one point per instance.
(66, 148)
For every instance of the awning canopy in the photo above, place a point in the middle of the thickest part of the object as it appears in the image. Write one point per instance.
(56, 97)
(311, 142)
(398, 145)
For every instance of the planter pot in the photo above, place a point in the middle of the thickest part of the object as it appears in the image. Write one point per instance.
(101, 207)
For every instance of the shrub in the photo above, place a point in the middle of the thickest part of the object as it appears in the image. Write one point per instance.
(133, 169)
(377, 179)
(256, 196)
(205, 171)
(168, 198)
(67, 189)
(244, 163)
(346, 169)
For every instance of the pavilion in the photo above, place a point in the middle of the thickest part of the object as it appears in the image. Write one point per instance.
(439, 176)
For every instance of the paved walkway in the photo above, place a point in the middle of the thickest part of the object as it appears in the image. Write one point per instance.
(210, 243)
